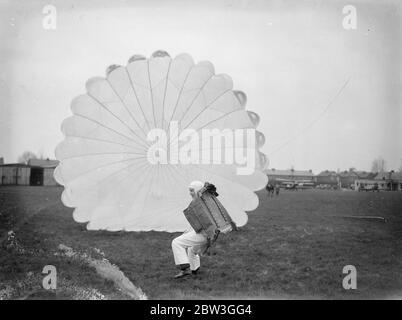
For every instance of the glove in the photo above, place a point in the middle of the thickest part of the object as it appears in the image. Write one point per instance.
(234, 226)
(209, 187)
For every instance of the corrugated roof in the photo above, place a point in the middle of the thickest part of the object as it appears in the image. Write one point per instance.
(365, 174)
(274, 172)
(387, 175)
(43, 163)
(327, 173)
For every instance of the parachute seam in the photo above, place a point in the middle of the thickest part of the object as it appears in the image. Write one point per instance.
(171, 167)
(214, 121)
(122, 216)
(196, 96)
(164, 96)
(152, 96)
(111, 175)
(106, 127)
(108, 177)
(103, 106)
(158, 213)
(132, 117)
(103, 166)
(183, 175)
(221, 95)
(102, 153)
(147, 195)
(179, 95)
(95, 139)
(136, 96)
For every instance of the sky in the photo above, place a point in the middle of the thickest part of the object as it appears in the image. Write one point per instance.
(328, 97)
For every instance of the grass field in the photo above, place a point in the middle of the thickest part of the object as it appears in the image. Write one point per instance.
(294, 246)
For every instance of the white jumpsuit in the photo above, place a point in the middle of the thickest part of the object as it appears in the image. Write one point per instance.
(187, 247)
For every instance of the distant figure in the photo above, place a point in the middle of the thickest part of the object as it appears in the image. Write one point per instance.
(277, 189)
(270, 190)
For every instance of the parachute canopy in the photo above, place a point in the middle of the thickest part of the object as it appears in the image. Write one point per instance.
(138, 137)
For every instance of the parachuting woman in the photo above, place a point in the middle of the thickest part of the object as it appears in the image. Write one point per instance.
(187, 247)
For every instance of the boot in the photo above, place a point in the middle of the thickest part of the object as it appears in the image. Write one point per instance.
(184, 271)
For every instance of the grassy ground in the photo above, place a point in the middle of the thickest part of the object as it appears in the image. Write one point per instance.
(294, 246)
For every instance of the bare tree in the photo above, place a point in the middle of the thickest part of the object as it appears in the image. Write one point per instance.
(378, 165)
(26, 156)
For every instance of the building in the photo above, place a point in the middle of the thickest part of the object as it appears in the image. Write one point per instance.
(43, 171)
(1, 160)
(327, 178)
(44, 163)
(15, 174)
(347, 179)
(369, 185)
(366, 175)
(389, 181)
(291, 176)
(393, 180)
(36, 173)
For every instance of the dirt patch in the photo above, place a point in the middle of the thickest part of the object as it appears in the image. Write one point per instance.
(108, 271)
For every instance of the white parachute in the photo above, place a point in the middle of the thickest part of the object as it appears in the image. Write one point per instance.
(104, 160)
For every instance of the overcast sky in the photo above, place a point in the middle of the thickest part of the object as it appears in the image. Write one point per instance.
(291, 58)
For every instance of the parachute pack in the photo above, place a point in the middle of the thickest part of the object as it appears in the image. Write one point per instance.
(208, 214)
